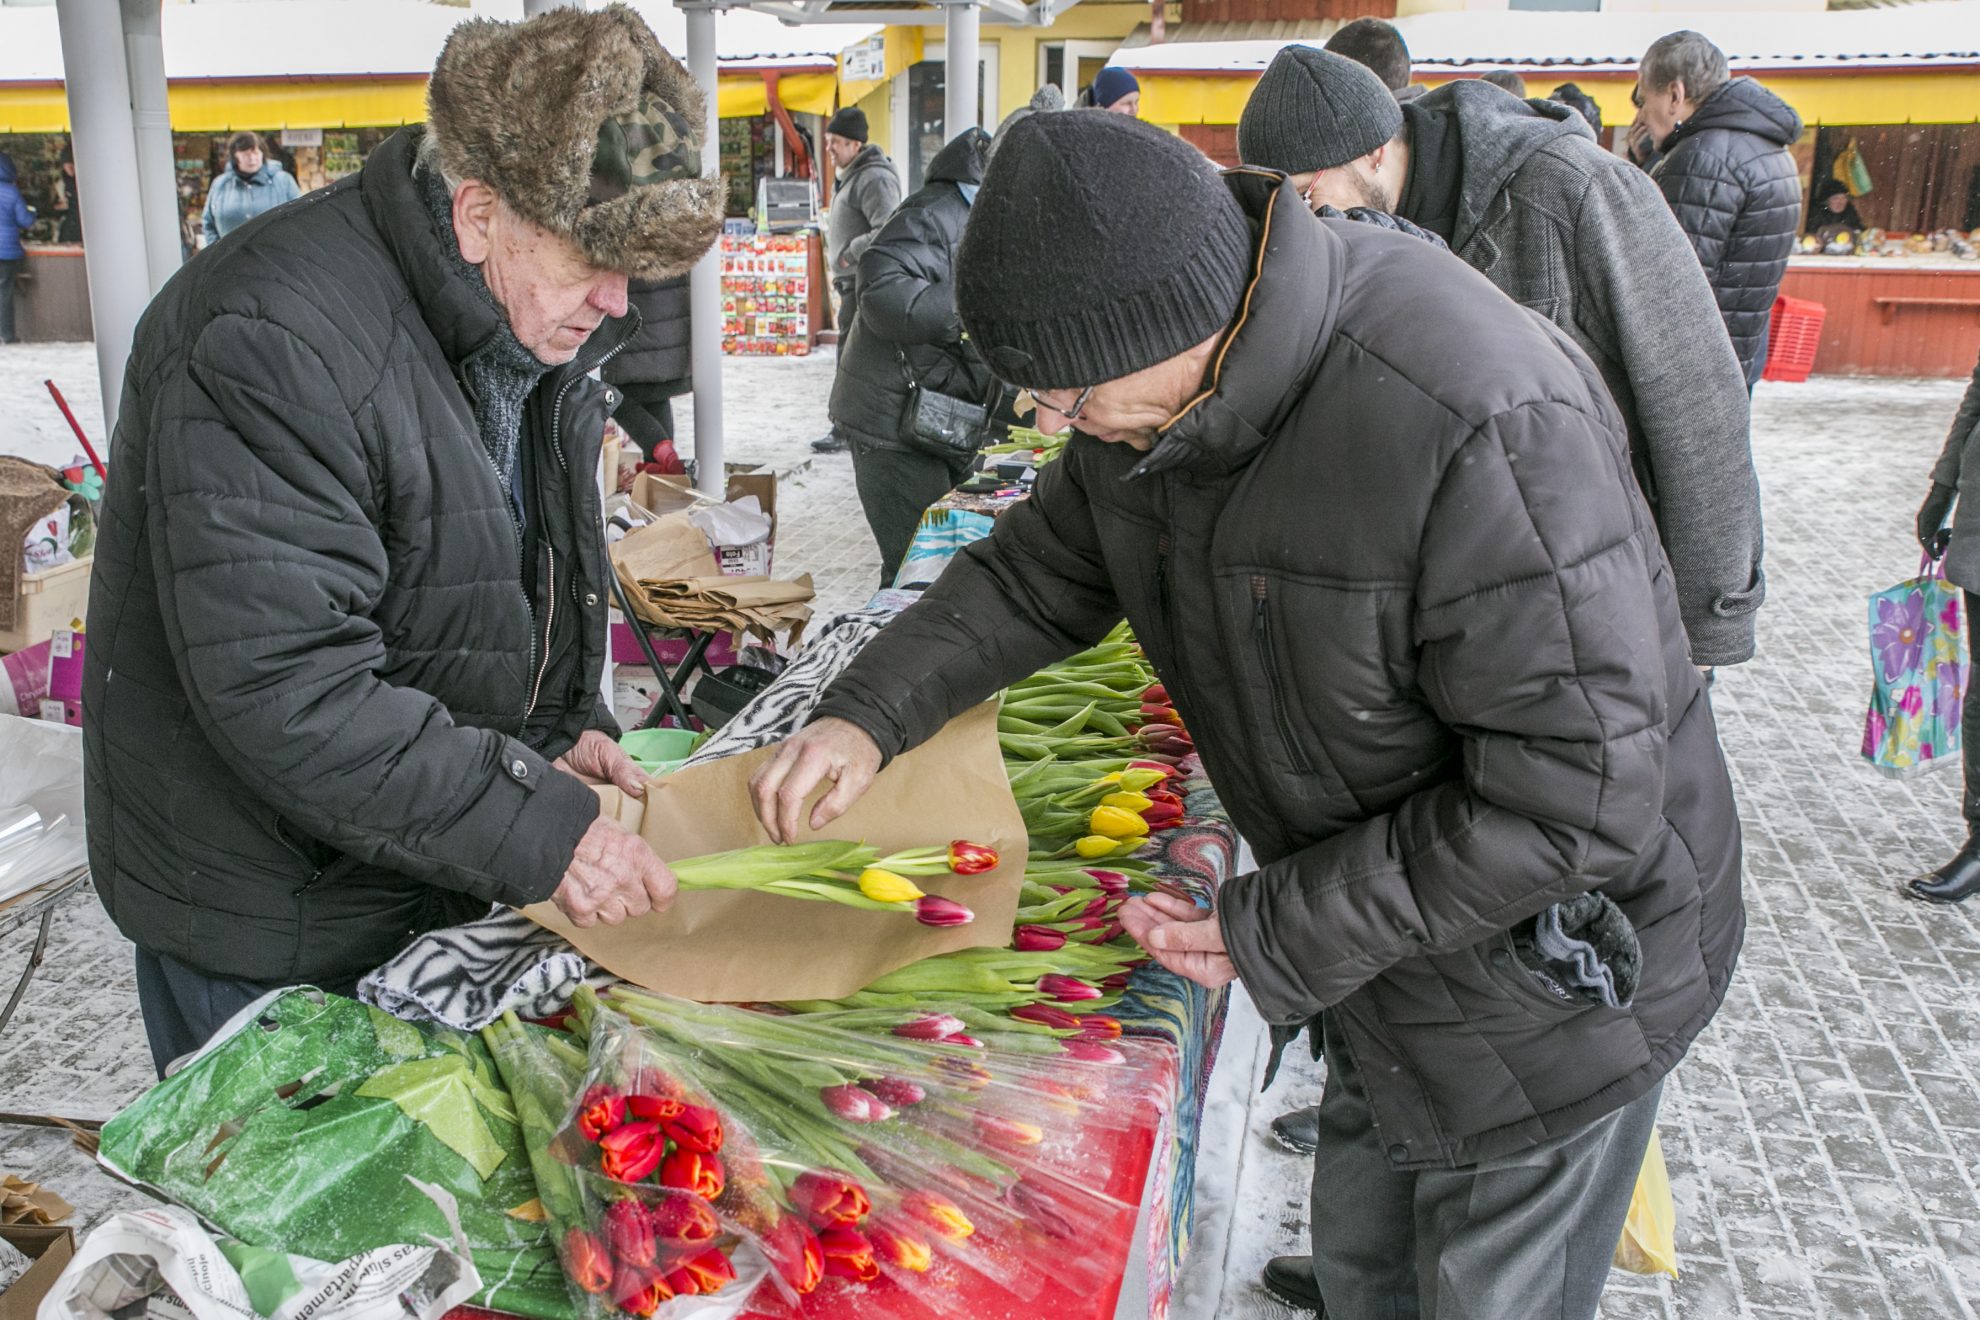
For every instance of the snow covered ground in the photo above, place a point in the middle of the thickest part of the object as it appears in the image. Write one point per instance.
(1824, 1136)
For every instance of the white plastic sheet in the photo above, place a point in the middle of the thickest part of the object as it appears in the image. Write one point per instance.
(40, 772)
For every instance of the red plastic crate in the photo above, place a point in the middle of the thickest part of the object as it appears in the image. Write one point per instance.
(1792, 338)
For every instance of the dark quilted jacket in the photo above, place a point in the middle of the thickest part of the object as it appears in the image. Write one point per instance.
(326, 675)
(661, 353)
(1394, 569)
(907, 307)
(1736, 193)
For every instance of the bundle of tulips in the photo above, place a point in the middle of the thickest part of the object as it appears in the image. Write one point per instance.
(1102, 704)
(850, 874)
(686, 1150)
(1032, 444)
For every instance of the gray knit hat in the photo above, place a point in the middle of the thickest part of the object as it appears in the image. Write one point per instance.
(1315, 110)
(1098, 246)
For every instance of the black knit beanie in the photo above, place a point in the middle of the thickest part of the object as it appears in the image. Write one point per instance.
(848, 123)
(1098, 246)
(1315, 110)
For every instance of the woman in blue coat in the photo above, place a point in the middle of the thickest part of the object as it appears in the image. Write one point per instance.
(249, 185)
(15, 216)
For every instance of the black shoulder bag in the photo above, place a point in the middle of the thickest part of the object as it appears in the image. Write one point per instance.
(941, 424)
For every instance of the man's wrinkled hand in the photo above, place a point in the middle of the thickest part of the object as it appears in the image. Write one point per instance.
(832, 749)
(613, 876)
(1181, 936)
(597, 759)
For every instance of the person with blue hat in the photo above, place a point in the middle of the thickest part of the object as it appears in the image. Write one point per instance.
(1115, 89)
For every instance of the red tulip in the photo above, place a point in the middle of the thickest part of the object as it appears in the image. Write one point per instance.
(697, 1128)
(1157, 693)
(794, 1251)
(1099, 1026)
(653, 1108)
(1098, 907)
(966, 858)
(692, 1171)
(960, 1039)
(826, 1198)
(1046, 1016)
(683, 1222)
(586, 1261)
(930, 1026)
(934, 910)
(1161, 809)
(854, 1104)
(898, 1244)
(629, 1233)
(896, 1091)
(639, 1289)
(1158, 714)
(1067, 989)
(1148, 763)
(631, 1151)
(702, 1274)
(602, 1109)
(1118, 981)
(848, 1255)
(1088, 1050)
(1038, 939)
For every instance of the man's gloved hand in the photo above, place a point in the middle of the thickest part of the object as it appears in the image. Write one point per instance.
(596, 759)
(613, 876)
(1933, 534)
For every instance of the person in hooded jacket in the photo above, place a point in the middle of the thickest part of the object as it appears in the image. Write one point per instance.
(1729, 178)
(15, 217)
(908, 330)
(655, 367)
(251, 183)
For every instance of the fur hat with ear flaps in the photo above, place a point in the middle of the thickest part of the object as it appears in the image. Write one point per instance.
(586, 126)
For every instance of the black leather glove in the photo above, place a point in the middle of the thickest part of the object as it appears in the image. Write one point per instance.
(1933, 534)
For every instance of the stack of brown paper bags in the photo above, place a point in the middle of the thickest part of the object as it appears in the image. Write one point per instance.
(670, 577)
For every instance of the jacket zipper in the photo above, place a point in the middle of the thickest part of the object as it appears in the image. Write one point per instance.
(1261, 635)
(515, 525)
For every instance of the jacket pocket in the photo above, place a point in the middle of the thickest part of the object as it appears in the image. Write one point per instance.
(1275, 683)
(1506, 972)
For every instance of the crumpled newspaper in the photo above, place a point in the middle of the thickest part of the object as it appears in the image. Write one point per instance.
(12, 1264)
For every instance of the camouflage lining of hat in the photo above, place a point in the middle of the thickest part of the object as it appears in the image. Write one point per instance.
(651, 144)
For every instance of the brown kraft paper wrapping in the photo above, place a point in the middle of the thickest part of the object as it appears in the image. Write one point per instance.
(723, 946)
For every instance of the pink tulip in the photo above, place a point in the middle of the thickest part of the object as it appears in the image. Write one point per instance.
(1045, 1015)
(931, 1026)
(896, 1091)
(1067, 989)
(1038, 939)
(855, 1104)
(934, 910)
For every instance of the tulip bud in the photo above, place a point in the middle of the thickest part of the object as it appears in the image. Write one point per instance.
(1008, 1131)
(896, 1091)
(639, 1290)
(794, 1252)
(697, 1128)
(1098, 1026)
(886, 887)
(1156, 693)
(936, 911)
(1045, 1015)
(854, 1104)
(1067, 989)
(1134, 802)
(966, 1073)
(631, 1151)
(1095, 846)
(966, 858)
(653, 1108)
(602, 1109)
(827, 1198)
(1139, 779)
(1114, 823)
(848, 1255)
(683, 1222)
(586, 1261)
(629, 1233)
(1098, 908)
(930, 1026)
(1160, 813)
(1160, 768)
(692, 1171)
(702, 1274)
(1039, 1210)
(1118, 981)
(1091, 1051)
(1037, 939)
(939, 1213)
(898, 1245)
(960, 1039)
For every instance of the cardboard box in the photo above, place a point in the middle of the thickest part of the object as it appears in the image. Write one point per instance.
(663, 495)
(50, 1247)
(53, 599)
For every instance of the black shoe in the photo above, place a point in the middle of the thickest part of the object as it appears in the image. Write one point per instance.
(830, 443)
(1299, 1131)
(1955, 882)
(1290, 1280)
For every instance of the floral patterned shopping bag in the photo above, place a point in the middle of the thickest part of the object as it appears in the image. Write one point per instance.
(1919, 661)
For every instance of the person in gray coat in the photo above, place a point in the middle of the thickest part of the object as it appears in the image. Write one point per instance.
(1959, 544)
(1521, 192)
(869, 188)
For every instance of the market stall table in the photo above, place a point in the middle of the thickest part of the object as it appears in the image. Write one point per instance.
(1892, 316)
(37, 903)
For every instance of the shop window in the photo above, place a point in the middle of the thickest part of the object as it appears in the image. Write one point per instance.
(927, 85)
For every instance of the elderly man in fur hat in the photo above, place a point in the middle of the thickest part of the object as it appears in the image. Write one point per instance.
(349, 608)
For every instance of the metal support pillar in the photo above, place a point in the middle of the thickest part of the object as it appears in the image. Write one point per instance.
(531, 8)
(151, 124)
(959, 74)
(99, 93)
(705, 282)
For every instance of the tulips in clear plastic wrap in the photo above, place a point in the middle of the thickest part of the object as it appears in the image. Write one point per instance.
(850, 874)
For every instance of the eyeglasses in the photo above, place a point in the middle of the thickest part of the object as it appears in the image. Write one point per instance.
(1071, 414)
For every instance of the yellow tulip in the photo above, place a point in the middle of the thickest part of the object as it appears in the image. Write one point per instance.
(1134, 802)
(886, 887)
(1135, 780)
(1095, 846)
(1117, 824)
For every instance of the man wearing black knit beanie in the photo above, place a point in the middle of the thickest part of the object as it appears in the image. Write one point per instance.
(1375, 526)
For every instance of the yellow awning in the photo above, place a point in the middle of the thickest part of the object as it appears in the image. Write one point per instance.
(744, 95)
(1842, 97)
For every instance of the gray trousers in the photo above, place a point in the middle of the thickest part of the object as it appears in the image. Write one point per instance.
(1528, 1235)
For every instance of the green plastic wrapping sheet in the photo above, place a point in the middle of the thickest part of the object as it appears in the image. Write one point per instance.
(297, 1132)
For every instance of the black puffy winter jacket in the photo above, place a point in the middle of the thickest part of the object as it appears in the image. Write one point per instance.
(907, 306)
(1394, 568)
(662, 352)
(1737, 195)
(326, 674)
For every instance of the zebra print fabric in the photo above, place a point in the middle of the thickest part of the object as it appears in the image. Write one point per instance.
(467, 976)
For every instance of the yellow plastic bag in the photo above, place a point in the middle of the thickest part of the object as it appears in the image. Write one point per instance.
(1649, 1237)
